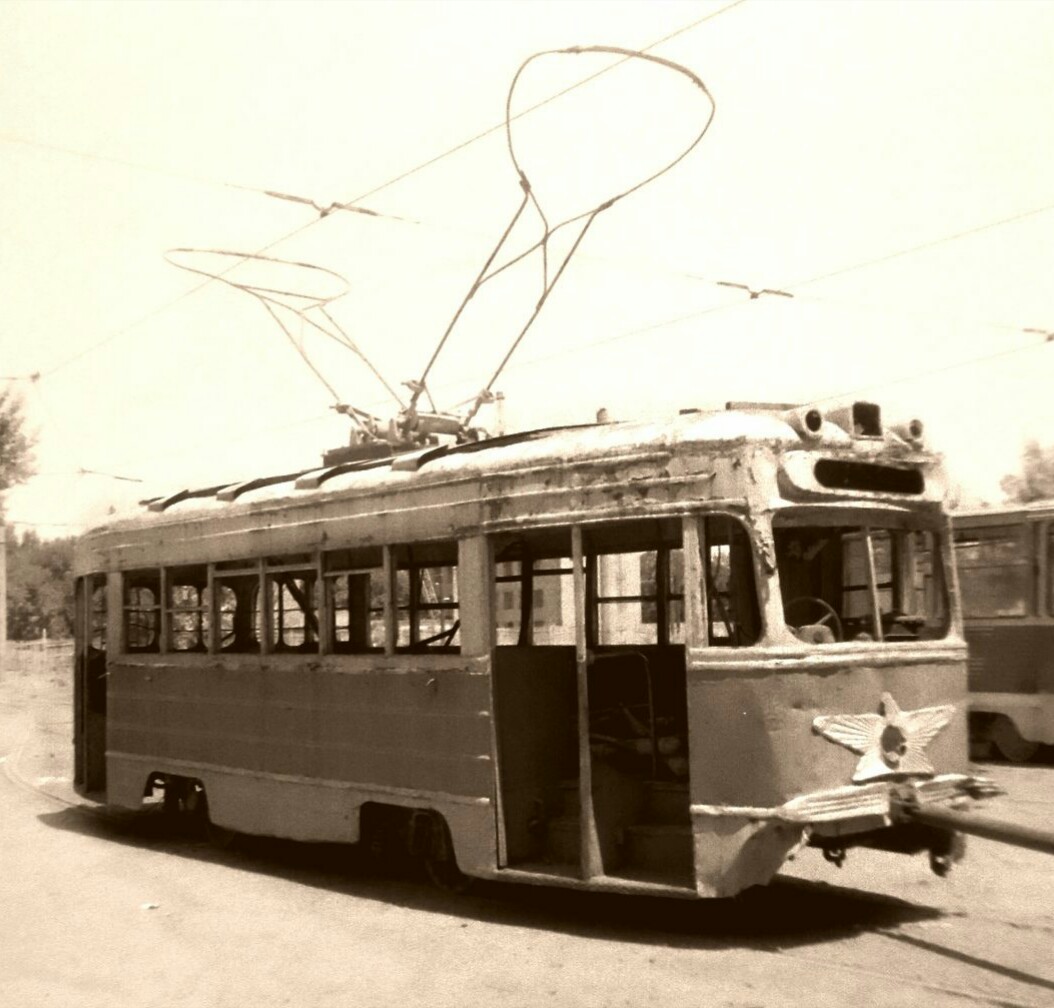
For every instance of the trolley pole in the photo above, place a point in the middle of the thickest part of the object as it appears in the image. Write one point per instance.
(982, 826)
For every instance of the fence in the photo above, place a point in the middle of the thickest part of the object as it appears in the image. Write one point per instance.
(36, 659)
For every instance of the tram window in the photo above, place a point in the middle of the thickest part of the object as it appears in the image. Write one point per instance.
(1050, 570)
(97, 629)
(929, 577)
(294, 611)
(632, 571)
(427, 597)
(507, 614)
(238, 611)
(142, 609)
(626, 611)
(673, 591)
(227, 604)
(187, 608)
(355, 583)
(856, 601)
(639, 599)
(534, 590)
(837, 581)
(552, 598)
(731, 588)
(994, 571)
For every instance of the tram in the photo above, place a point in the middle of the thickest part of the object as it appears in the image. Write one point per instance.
(1004, 560)
(640, 657)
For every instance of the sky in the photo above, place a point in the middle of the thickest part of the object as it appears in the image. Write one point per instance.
(886, 164)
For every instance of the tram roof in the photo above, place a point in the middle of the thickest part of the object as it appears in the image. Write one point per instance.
(1033, 509)
(724, 431)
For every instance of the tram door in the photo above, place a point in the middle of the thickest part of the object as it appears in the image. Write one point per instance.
(89, 731)
(535, 680)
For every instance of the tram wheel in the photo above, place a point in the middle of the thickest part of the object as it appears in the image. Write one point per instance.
(1003, 734)
(197, 804)
(439, 860)
(445, 874)
(174, 798)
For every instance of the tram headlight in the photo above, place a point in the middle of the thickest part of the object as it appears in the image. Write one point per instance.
(807, 421)
(910, 431)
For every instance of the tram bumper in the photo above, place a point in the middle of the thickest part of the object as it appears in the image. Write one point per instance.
(871, 815)
(884, 822)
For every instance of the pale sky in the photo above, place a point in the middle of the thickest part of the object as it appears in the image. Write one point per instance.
(888, 164)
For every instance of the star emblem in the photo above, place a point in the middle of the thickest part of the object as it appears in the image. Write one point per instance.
(888, 744)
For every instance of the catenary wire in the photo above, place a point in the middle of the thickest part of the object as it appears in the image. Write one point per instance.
(922, 246)
(384, 185)
(545, 101)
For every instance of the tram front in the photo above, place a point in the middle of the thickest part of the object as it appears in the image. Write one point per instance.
(849, 698)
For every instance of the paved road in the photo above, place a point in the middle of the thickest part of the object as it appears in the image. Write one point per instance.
(115, 911)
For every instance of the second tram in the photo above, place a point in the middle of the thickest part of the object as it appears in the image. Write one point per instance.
(1004, 556)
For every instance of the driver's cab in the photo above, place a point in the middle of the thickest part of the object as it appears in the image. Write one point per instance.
(852, 576)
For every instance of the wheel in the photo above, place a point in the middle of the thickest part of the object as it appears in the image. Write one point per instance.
(1003, 734)
(174, 799)
(438, 855)
(197, 805)
(445, 874)
(830, 616)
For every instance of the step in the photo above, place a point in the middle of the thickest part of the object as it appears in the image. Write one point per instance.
(563, 844)
(662, 848)
(568, 798)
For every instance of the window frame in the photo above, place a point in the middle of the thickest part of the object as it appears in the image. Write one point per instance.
(413, 559)
(331, 575)
(139, 580)
(1025, 563)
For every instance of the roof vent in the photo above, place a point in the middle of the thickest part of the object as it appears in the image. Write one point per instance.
(861, 419)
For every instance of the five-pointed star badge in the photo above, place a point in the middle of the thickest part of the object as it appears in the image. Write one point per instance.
(893, 743)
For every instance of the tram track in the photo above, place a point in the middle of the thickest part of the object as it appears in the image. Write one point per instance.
(10, 764)
(968, 995)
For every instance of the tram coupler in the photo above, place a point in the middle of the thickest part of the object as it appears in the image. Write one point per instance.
(905, 807)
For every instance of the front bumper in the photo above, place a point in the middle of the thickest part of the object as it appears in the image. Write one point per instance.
(857, 808)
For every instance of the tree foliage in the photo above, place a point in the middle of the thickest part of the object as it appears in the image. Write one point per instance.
(39, 588)
(1035, 481)
(16, 447)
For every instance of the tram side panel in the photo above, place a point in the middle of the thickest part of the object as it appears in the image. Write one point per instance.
(292, 748)
(1012, 674)
(753, 749)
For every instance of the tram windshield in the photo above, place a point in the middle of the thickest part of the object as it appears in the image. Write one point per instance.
(869, 580)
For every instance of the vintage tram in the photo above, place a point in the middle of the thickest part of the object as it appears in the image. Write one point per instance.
(1003, 555)
(642, 657)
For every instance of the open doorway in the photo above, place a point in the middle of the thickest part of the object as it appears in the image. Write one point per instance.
(90, 685)
(593, 739)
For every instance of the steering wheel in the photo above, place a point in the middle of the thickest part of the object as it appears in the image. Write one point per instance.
(830, 615)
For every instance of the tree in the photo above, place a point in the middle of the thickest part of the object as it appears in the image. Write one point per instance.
(39, 587)
(1036, 478)
(16, 447)
(16, 466)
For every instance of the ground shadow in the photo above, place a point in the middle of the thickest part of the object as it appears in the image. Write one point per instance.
(1009, 972)
(786, 914)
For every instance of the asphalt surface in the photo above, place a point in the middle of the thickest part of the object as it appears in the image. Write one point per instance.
(123, 911)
